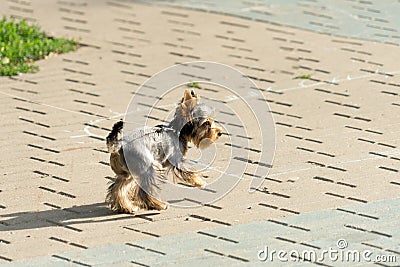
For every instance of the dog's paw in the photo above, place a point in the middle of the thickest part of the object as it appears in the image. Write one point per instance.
(165, 206)
(162, 206)
(134, 209)
(199, 182)
(127, 210)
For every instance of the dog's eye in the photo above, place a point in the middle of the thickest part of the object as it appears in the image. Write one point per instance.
(206, 123)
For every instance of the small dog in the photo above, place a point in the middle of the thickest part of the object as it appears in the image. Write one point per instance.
(154, 152)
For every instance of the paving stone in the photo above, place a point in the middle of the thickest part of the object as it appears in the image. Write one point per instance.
(335, 172)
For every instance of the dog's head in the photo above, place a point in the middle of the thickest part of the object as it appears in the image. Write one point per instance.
(200, 127)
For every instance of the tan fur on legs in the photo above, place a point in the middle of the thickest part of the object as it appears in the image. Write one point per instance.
(124, 194)
(121, 191)
(188, 177)
(120, 195)
(145, 201)
(118, 165)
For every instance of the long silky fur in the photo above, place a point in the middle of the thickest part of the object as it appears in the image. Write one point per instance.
(146, 201)
(187, 176)
(120, 195)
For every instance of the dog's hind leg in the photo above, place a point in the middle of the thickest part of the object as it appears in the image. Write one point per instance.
(145, 193)
(147, 201)
(121, 191)
(120, 194)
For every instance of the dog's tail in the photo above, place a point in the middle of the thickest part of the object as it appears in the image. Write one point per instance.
(112, 140)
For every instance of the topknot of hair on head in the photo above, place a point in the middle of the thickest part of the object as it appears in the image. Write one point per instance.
(202, 111)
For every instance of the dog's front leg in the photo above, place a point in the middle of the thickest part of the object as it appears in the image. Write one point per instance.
(188, 176)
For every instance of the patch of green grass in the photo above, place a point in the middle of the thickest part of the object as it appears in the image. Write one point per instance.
(304, 76)
(22, 44)
(193, 85)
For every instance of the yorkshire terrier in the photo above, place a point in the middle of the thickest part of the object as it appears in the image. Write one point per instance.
(153, 152)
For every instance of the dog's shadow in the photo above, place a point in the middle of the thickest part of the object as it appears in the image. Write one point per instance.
(92, 213)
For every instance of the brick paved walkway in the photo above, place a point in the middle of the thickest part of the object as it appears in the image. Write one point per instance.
(337, 147)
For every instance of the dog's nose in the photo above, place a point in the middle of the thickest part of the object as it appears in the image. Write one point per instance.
(219, 134)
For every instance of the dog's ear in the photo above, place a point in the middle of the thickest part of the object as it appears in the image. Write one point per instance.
(190, 94)
(189, 100)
